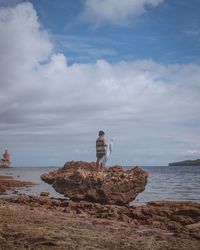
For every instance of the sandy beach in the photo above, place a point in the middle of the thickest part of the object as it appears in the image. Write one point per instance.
(36, 222)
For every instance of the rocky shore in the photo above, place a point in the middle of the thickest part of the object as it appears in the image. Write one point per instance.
(8, 184)
(39, 222)
(29, 222)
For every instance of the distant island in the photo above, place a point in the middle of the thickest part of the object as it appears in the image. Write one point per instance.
(186, 163)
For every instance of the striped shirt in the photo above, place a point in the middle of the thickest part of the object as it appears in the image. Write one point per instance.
(100, 147)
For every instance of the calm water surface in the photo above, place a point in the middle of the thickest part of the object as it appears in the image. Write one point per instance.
(172, 183)
(164, 183)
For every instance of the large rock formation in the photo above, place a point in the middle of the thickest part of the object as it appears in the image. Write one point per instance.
(84, 181)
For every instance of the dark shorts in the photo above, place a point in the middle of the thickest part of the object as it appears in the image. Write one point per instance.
(99, 156)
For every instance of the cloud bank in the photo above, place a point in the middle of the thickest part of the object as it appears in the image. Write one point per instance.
(116, 12)
(51, 111)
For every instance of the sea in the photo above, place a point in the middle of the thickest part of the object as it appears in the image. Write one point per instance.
(177, 183)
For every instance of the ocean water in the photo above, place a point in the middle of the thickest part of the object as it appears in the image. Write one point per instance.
(178, 183)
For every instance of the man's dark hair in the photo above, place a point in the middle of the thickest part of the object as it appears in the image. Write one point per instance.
(101, 132)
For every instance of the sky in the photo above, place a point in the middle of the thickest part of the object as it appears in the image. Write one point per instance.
(71, 68)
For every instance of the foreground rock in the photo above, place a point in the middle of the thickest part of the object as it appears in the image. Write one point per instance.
(67, 224)
(83, 181)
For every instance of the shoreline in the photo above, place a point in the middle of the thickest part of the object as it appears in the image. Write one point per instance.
(66, 224)
(9, 184)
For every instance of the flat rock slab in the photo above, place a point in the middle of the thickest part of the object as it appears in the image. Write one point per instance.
(84, 181)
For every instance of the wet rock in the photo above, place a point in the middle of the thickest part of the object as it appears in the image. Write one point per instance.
(15, 192)
(8, 183)
(84, 181)
(46, 194)
(2, 189)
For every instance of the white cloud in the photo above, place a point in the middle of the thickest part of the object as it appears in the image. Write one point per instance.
(149, 108)
(193, 152)
(115, 12)
(22, 44)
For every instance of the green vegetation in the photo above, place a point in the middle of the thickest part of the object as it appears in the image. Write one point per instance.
(186, 163)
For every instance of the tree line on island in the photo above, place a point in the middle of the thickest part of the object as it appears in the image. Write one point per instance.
(186, 163)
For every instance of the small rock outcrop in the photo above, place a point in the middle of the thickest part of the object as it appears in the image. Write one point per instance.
(84, 181)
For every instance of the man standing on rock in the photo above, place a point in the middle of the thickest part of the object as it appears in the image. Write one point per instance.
(101, 147)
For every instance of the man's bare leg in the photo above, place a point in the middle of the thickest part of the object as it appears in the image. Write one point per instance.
(97, 163)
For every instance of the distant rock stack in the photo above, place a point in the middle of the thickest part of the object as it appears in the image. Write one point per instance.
(84, 181)
(5, 161)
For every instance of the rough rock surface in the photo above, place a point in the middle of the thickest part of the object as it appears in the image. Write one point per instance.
(176, 216)
(83, 181)
(157, 225)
